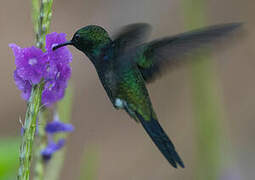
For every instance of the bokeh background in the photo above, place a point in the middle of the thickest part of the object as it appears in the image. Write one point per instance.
(122, 149)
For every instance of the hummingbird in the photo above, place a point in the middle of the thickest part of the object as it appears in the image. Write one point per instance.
(126, 62)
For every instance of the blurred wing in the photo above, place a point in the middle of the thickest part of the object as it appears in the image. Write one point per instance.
(167, 52)
(130, 36)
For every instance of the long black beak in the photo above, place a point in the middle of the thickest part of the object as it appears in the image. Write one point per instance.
(61, 45)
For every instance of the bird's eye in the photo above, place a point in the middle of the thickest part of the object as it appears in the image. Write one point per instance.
(77, 37)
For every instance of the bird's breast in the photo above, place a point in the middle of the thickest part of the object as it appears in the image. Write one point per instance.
(108, 80)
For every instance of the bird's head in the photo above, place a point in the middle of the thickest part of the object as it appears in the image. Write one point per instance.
(88, 39)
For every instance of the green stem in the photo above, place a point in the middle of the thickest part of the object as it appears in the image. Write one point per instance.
(207, 104)
(41, 14)
(89, 168)
(41, 144)
(39, 34)
(29, 131)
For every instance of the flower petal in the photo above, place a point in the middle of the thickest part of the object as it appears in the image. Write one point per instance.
(51, 148)
(62, 54)
(23, 85)
(57, 126)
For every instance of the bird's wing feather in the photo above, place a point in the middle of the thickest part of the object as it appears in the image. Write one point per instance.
(164, 53)
(130, 36)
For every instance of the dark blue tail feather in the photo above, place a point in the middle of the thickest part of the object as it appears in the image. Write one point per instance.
(161, 140)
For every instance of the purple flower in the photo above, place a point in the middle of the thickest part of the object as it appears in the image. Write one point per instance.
(54, 127)
(62, 54)
(51, 148)
(57, 126)
(23, 85)
(34, 65)
(29, 63)
(56, 83)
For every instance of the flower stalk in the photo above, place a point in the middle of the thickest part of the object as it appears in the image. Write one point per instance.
(29, 127)
(41, 14)
(39, 166)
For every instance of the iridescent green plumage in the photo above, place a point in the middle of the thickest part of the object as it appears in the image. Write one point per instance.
(126, 62)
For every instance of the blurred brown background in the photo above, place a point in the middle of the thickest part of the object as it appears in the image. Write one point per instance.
(125, 151)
